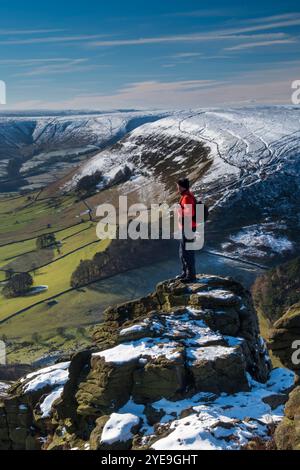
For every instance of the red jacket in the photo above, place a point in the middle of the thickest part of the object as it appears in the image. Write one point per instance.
(187, 209)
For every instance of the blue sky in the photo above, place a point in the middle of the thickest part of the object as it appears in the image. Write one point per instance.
(163, 53)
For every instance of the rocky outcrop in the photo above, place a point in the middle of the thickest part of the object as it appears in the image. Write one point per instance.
(182, 366)
(277, 289)
(287, 435)
(285, 344)
(285, 338)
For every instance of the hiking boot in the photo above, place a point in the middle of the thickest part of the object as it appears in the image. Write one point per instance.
(181, 276)
(188, 279)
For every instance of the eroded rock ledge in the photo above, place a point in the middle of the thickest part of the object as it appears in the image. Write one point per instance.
(184, 367)
(284, 342)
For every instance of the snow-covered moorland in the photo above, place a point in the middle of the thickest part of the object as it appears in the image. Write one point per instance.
(42, 148)
(243, 161)
(249, 143)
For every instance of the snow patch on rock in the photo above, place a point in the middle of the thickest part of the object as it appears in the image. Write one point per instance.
(47, 403)
(48, 377)
(224, 422)
(153, 347)
(118, 428)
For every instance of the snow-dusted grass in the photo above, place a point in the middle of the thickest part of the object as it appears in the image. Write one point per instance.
(62, 141)
(256, 239)
(242, 141)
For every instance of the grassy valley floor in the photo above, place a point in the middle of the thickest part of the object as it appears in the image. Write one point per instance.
(42, 326)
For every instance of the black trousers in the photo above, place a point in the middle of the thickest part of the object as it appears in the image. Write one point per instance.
(187, 257)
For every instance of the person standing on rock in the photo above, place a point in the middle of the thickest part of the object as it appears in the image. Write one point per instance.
(187, 225)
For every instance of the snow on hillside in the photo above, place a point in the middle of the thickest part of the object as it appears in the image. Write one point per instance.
(48, 144)
(244, 162)
(243, 142)
(255, 240)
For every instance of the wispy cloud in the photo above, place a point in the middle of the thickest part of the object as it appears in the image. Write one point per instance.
(195, 37)
(259, 87)
(184, 55)
(68, 66)
(10, 32)
(188, 57)
(30, 62)
(168, 82)
(156, 86)
(52, 39)
(101, 40)
(180, 58)
(239, 32)
(282, 16)
(265, 25)
(250, 45)
(205, 13)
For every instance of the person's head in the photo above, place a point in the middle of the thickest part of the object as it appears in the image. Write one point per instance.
(183, 184)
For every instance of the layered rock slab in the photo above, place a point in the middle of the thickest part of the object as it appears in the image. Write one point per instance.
(178, 341)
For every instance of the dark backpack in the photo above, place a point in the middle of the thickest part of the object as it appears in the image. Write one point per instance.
(206, 212)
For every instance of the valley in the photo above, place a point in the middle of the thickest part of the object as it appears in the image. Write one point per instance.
(37, 150)
(242, 162)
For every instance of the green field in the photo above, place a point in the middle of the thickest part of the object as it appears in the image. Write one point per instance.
(56, 276)
(21, 255)
(24, 218)
(10, 204)
(19, 217)
(79, 308)
(11, 252)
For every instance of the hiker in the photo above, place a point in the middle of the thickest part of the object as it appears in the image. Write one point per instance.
(186, 215)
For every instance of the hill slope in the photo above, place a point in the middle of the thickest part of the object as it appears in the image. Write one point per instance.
(39, 149)
(243, 161)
